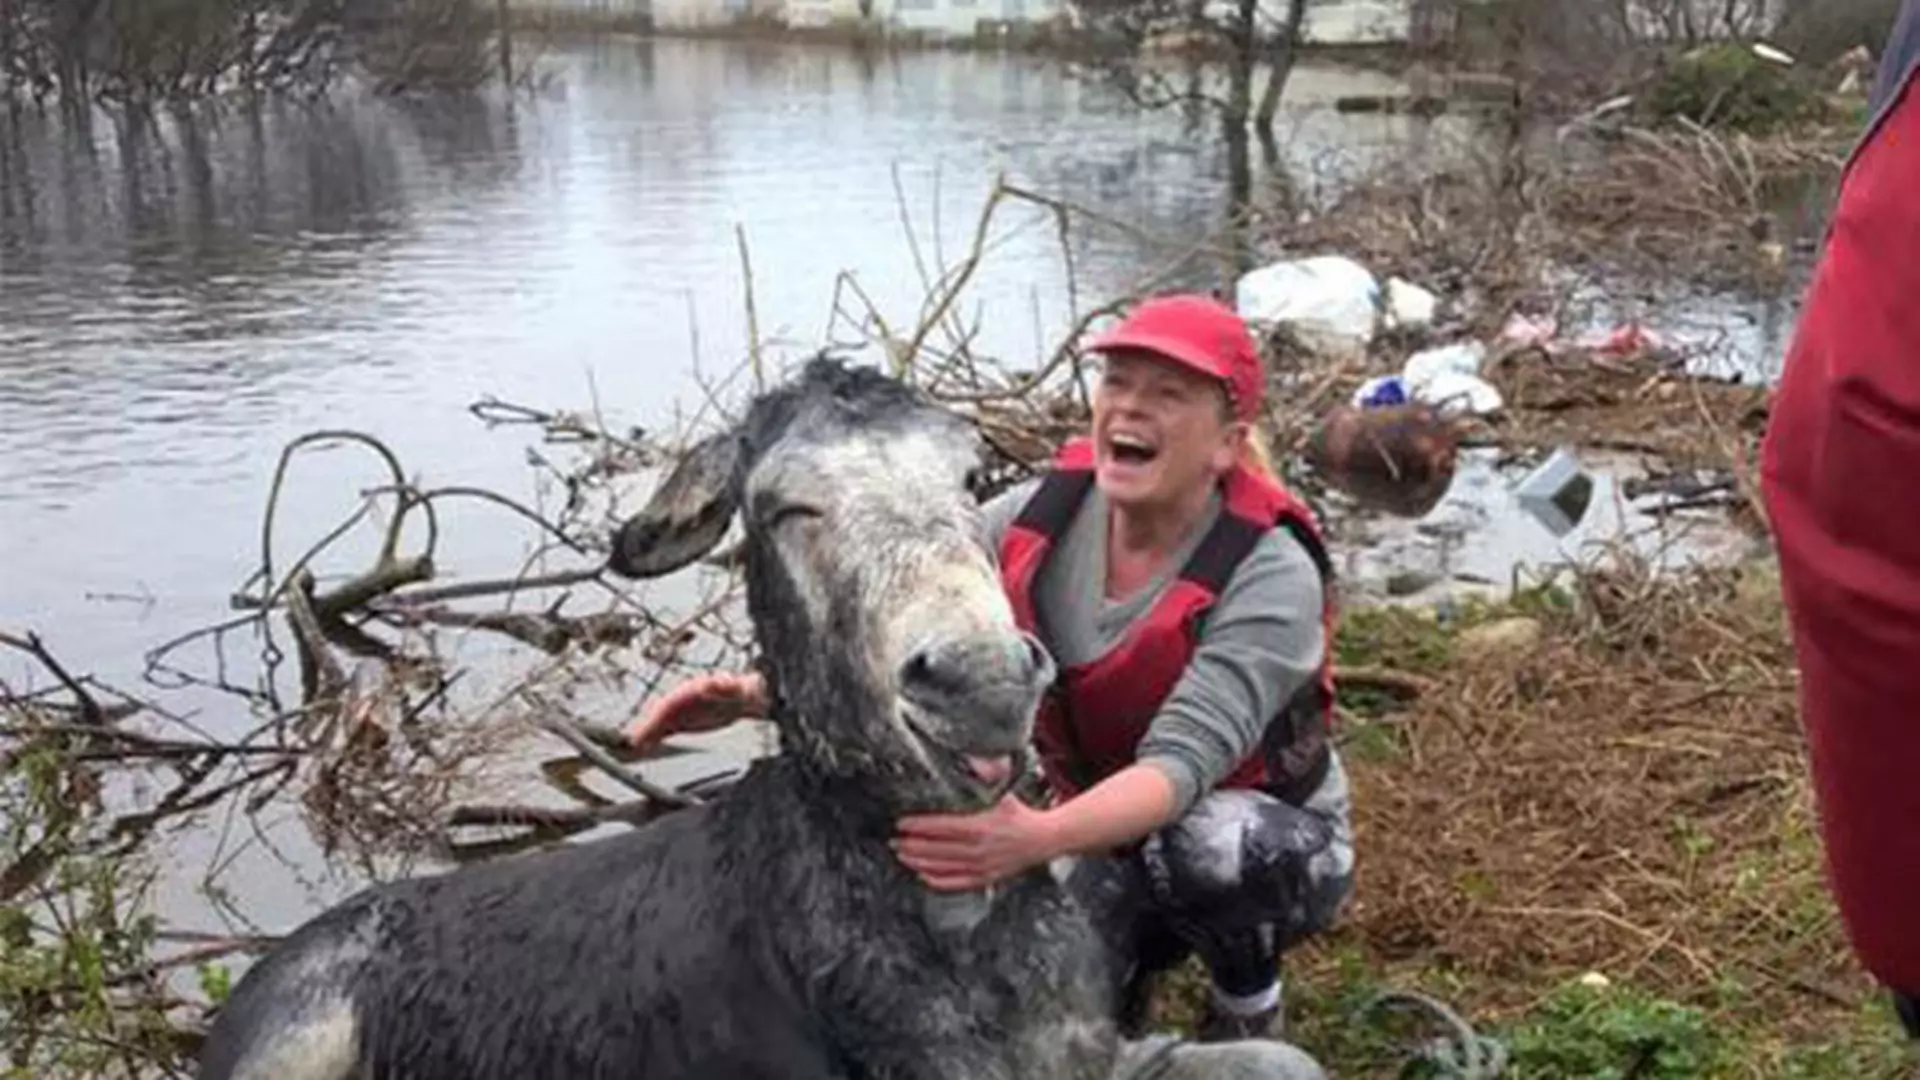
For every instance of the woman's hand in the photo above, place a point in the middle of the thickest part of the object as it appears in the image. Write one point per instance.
(963, 852)
(973, 851)
(704, 703)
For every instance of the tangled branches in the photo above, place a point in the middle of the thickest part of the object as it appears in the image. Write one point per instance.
(82, 992)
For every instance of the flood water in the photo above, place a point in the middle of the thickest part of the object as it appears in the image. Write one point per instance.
(177, 303)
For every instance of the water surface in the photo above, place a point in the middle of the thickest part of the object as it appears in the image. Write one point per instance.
(178, 300)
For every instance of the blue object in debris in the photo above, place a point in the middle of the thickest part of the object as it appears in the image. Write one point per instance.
(1381, 392)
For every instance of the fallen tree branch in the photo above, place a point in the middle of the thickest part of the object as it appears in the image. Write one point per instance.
(136, 744)
(473, 589)
(548, 818)
(545, 715)
(323, 681)
(87, 707)
(550, 633)
(193, 956)
(1386, 680)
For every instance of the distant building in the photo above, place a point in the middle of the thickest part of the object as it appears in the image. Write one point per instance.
(653, 14)
(813, 14)
(591, 12)
(1352, 22)
(1339, 22)
(961, 18)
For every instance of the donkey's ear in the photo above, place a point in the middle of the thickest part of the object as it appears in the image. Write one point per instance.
(687, 516)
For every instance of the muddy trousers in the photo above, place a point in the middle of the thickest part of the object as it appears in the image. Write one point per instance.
(1238, 881)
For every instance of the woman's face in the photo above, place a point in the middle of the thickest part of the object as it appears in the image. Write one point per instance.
(1160, 431)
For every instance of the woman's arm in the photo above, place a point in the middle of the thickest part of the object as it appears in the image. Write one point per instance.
(1263, 641)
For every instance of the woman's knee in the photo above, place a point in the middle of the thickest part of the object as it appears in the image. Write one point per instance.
(1247, 856)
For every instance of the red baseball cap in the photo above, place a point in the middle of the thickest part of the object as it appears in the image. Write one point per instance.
(1201, 334)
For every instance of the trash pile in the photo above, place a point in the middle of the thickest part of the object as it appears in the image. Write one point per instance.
(1392, 445)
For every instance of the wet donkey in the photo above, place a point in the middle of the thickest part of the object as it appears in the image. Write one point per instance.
(770, 933)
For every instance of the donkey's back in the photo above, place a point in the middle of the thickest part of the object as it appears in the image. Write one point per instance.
(610, 960)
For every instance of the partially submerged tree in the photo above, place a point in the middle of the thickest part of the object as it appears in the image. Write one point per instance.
(146, 52)
(1157, 53)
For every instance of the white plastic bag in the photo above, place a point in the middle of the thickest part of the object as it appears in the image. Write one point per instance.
(1456, 392)
(1409, 307)
(1464, 358)
(1330, 302)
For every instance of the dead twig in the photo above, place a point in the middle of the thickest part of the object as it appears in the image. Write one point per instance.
(553, 720)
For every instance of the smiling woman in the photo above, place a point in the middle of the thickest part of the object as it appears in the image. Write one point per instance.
(1184, 593)
(1185, 596)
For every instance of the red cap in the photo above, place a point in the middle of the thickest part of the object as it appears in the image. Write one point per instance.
(1199, 333)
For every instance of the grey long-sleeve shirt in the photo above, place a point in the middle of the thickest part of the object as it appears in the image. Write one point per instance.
(1262, 641)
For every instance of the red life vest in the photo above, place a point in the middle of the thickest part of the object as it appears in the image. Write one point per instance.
(1840, 473)
(1093, 719)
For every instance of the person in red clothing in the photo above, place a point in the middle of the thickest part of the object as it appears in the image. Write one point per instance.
(1840, 477)
(1185, 595)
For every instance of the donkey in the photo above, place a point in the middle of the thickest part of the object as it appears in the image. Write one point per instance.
(769, 932)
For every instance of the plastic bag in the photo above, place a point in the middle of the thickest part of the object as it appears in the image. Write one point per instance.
(1456, 392)
(1424, 366)
(1408, 305)
(1330, 302)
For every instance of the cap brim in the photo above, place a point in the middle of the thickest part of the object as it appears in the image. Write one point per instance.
(1181, 352)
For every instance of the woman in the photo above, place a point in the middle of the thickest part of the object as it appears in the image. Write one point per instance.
(1838, 471)
(1184, 594)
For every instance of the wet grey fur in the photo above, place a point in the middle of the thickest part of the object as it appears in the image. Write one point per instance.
(770, 933)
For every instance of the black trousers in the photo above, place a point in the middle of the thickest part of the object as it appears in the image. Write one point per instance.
(1239, 880)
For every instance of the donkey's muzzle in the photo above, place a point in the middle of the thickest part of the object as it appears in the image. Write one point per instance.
(983, 689)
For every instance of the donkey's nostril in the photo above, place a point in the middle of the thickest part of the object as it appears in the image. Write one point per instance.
(1038, 658)
(918, 671)
(970, 665)
(936, 671)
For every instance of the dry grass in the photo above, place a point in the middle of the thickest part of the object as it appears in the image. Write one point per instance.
(1601, 802)
(1626, 797)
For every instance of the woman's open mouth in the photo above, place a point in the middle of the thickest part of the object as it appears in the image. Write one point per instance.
(1126, 448)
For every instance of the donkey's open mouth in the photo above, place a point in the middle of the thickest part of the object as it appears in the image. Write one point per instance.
(989, 769)
(970, 703)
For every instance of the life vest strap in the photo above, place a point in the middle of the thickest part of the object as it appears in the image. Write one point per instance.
(1051, 507)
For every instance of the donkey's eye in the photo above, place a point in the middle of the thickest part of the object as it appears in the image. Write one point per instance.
(781, 515)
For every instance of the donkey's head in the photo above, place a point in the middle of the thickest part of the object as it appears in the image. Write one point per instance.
(887, 640)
